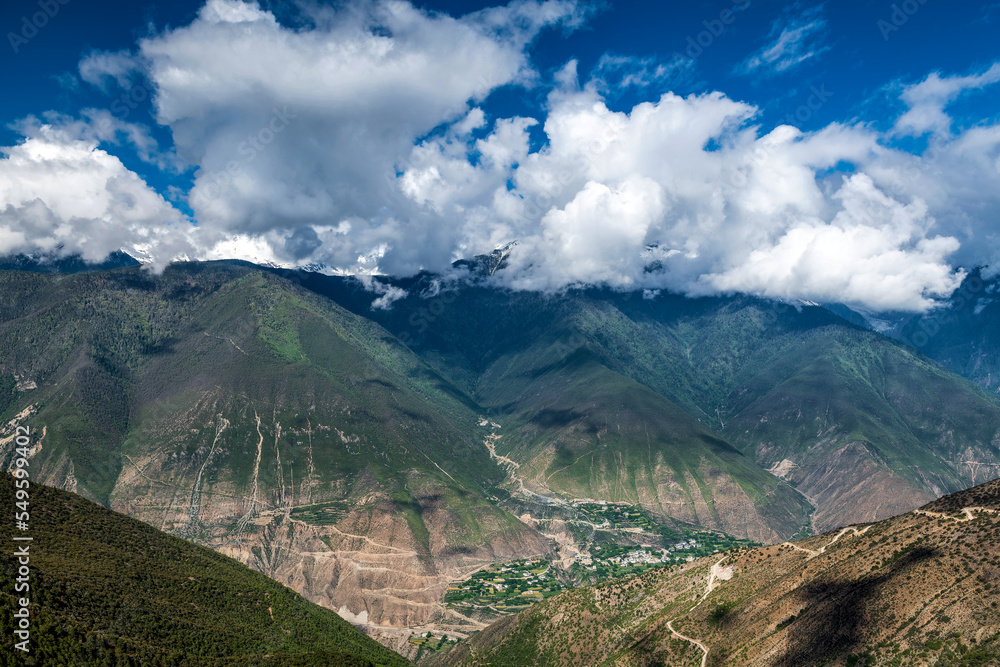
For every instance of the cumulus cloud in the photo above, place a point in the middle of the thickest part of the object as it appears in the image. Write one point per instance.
(874, 252)
(686, 194)
(363, 142)
(794, 40)
(100, 126)
(61, 194)
(307, 127)
(928, 99)
(959, 179)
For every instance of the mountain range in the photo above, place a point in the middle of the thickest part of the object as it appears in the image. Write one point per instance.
(369, 444)
(861, 425)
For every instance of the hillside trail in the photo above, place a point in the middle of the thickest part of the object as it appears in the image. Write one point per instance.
(822, 549)
(704, 658)
(717, 572)
(511, 466)
(967, 511)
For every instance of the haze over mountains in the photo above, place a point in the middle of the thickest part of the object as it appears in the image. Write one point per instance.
(279, 418)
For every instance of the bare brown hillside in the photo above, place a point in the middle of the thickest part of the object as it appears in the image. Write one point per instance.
(918, 589)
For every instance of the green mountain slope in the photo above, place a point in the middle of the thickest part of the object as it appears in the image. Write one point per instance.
(106, 589)
(223, 404)
(917, 589)
(962, 335)
(581, 430)
(863, 426)
(582, 417)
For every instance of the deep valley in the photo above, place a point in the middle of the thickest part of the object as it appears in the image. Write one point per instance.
(375, 465)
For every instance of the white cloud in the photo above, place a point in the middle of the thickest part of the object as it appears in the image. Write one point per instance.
(684, 194)
(363, 142)
(596, 237)
(874, 252)
(234, 11)
(306, 127)
(928, 99)
(615, 74)
(100, 125)
(793, 41)
(61, 194)
(99, 68)
(389, 294)
(959, 180)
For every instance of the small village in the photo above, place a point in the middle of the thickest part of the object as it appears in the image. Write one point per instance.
(505, 587)
(679, 543)
(508, 588)
(502, 589)
(638, 557)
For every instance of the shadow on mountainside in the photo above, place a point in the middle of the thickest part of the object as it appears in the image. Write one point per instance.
(836, 611)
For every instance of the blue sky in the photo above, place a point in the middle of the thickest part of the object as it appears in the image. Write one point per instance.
(842, 74)
(855, 61)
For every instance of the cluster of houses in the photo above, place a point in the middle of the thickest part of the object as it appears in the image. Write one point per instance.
(688, 544)
(526, 578)
(641, 556)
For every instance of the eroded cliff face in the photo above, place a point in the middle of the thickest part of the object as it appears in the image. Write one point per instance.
(380, 552)
(848, 484)
(848, 487)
